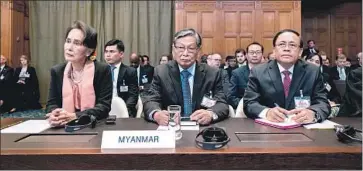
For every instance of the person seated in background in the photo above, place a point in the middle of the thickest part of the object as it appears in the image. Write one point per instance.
(241, 57)
(359, 60)
(143, 78)
(325, 60)
(6, 86)
(81, 86)
(240, 75)
(340, 71)
(165, 59)
(231, 60)
(273, 86)
(149, 70)
(124, 78)
(27, 86)
(330, 88)
(311, 49)
(186, 82)
(352, 106)
(215, 61)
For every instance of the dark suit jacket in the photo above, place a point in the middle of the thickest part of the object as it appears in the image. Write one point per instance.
(149, 71)
(239, 82)
(226, 82)
(28, 92)
(306, 52)
(102, 84)
(333, 94)
(335, 74)
(166, 89)
(352, 105)
(265, 88)
(129, 75)
(6, 88)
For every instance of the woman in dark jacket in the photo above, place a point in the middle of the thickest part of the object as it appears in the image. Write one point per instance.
(81, 86)
(26, 87)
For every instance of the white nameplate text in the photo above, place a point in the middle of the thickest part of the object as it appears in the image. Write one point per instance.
(138, 139)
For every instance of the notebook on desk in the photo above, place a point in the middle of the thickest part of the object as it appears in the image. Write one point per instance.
(287, 124)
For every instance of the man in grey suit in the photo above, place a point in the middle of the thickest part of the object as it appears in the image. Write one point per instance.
(273, 86)
(215, 60)
(185, 82)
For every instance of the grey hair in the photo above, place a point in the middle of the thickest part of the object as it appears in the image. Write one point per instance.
(188, 32)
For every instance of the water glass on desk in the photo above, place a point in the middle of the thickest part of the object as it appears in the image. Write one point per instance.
(174, 120)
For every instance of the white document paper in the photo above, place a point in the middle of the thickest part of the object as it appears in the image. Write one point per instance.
(323, 125)
(29, 126)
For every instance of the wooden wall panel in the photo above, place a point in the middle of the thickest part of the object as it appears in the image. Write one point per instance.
(14, 30)
(237, 23)
(334, 27)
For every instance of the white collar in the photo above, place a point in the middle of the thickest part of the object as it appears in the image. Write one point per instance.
(191, 69)
(291, 69)
(117, 65)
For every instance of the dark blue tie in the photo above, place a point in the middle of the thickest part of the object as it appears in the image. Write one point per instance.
(112, 69)
(187, 99)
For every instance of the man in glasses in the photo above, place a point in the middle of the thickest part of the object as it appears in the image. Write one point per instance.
(196, 87)
(286, 86)
(239, 77)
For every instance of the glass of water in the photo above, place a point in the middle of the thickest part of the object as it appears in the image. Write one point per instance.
(174, 120)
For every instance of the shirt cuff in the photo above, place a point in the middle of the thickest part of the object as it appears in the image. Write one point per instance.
(263, 113)
(151, 114)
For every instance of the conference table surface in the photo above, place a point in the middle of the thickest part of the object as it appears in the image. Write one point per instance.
(256, 147)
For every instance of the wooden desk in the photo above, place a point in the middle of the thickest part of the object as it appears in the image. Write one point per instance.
(323, 151)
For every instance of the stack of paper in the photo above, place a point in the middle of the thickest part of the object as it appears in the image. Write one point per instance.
(323, 125)
(29, 126)
(288, 124)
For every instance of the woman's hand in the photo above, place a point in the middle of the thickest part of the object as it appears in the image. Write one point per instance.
(59, 117)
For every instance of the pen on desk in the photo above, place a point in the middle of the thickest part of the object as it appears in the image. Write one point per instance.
(276, 105)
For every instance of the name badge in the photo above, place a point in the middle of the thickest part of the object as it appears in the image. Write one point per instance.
(208, 102)
(328, 87)
(302, 102)
(144, 79)
(138, 139)
(124, 88)
(1, 77)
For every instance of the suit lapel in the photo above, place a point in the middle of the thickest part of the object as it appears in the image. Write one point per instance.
(297, 76)
(275, 76)
(197, 87)
(121, 74)
(175, 79)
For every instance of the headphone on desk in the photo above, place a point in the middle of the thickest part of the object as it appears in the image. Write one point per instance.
(213, 138)
(347, 133)
(82, 122)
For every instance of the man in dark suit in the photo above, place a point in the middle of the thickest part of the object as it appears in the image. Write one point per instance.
(144, 77)
(149, 70)
(273, 86)
(215, 61)
(6, 85)
(185, 82)
(352, 105)
(124, 78)
(340, 71)
(240, 75)
(310, 49)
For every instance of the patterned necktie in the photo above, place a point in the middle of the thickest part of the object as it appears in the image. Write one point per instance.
(342, 73)
(287, 82)
(112, 69)
(187, 99)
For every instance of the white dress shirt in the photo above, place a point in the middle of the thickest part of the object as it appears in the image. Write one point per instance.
(115, 77)
(1, 68)
(281, 69)
(341, 72)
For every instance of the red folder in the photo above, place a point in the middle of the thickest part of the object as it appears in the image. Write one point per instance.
(283, 125)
